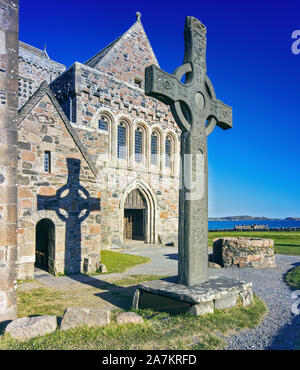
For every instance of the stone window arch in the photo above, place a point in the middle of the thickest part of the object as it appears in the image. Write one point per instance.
(155, 146)
(104, 123)
(139, 145)
(169, 148)
(122, 140)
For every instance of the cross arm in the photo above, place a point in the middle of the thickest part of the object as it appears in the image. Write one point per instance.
(95, 204)
(45, 202)
(168, 89)
(222, 113)
(164, 86)
(91, 204)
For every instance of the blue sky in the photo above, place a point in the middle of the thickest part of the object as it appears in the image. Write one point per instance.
(254, 167)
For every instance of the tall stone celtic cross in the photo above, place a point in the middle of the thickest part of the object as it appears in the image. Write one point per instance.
(196, 111)
(72, 204)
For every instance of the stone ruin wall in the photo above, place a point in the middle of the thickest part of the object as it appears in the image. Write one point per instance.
(244, 252)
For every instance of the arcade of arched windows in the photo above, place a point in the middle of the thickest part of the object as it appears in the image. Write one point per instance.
(137, 145)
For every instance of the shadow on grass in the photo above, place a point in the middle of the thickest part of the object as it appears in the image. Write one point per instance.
(116, 295)
(172, 256)
(3, 325)
(287, 245)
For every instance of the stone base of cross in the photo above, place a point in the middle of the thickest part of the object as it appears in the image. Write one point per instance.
(197, 111)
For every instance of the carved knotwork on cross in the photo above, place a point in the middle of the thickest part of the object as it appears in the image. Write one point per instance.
(197, 111)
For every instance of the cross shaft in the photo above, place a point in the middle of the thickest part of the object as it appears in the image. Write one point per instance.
(196, 111)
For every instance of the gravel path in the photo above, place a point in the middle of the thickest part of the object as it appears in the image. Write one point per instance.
(279, 329)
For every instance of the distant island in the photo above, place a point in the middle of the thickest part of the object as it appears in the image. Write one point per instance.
(292, 219)
(251, 218)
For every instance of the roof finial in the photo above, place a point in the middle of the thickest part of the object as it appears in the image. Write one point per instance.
(138, 16)
(45, 51)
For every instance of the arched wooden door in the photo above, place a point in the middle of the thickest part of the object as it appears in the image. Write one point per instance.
(135, 216)
(45, 244)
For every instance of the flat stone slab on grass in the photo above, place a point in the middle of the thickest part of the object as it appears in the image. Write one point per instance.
(129, 318)
(216, 293)
(31, 327)
(76, 316)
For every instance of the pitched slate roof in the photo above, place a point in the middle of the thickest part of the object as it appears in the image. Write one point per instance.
(33, 49)
(33, 101)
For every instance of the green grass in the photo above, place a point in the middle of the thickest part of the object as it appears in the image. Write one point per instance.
(179, 332)
(285, 242)
(293, 277)
(159, 331)
(40, 301)
(50, 301)
(120, 262)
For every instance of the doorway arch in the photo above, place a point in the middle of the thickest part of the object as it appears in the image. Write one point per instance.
(135, 215)
(45, 245)
(150, 211)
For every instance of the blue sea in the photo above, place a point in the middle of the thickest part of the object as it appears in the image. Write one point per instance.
(213, 225)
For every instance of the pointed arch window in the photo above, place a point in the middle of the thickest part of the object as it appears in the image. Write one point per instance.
(122, 141)
(103, 123)
(154, 149)
(168, 148)
(138, 146)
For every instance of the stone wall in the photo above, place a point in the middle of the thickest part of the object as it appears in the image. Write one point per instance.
(58, 195)
(105, 86)
(35, 67)
(243, 252)
(9, 35)
(111, 84)
(126, 57)
(161, 195)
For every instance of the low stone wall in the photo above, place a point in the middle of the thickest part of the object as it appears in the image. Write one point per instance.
(270, 229)
(244, 252)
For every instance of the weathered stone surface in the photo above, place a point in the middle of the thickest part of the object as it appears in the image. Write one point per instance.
(226, 302)
(102, 268)
(247, 297)
(244, 252)
(214, 265)
(135, 301)
(203, 308)
(200, 101)
(9, 31)
(31, 327)
(74, 317)
(205, 292)
(129, 318)
(199, 299)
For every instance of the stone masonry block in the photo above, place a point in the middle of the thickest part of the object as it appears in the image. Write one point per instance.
(202, 308)
(226, 302)
(74, 317)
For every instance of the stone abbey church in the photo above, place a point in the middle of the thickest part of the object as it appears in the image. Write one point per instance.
(98, 162)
